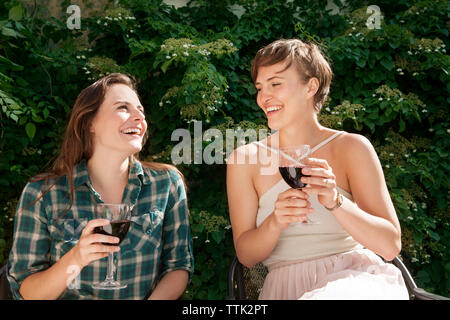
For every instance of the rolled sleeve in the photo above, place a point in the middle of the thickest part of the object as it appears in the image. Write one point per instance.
(31, 241)
(177, 252)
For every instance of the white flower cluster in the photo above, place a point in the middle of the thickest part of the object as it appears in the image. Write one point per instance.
(420, 49)
(212, 108)
(204, 52)
(111, 19)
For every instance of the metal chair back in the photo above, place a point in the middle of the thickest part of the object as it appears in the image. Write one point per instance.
(246, 283)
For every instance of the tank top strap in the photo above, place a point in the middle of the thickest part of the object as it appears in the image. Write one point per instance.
(259, 143)
(277, 151)
(324, 142)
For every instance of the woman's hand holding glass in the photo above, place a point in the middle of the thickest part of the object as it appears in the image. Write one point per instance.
(90, 247)
(291, 206)
(321, 181)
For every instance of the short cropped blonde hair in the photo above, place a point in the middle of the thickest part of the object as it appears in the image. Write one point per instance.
(307, 58)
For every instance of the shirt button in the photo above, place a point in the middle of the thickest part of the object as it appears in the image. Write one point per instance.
(148, 231)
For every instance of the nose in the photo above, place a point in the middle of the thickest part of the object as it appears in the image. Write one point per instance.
(138, 115)
(264, 96)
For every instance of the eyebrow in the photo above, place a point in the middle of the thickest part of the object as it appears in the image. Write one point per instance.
(126, 102)
(271, 78)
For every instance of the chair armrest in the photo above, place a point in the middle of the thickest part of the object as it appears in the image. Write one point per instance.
(5, 290)
(231, 280)
(421, 294)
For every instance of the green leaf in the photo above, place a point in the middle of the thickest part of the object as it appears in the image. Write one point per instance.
(388, 64)
(165, 65)
(434, 235)
(417, 238)
(10, 64)
(401, 125)
(216, 236)
(361, 63)
(15, 13)
(30, 128)
(379, 54)
(14, 117)
(9, 32)
(37, 119)
(46, 113)
(423, 276)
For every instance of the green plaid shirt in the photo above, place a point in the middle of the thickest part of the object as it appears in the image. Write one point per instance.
(158, 241)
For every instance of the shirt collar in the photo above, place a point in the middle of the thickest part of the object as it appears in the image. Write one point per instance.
(81, 175)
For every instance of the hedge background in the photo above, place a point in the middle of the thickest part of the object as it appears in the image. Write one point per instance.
(391, 84)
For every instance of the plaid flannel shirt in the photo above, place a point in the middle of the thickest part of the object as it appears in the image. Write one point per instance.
(158, 241)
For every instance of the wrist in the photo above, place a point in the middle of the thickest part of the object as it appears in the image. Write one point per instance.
(337, 202)
(272, 225)
(73, 258)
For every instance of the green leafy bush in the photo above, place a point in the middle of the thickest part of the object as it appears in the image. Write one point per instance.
(193, 63)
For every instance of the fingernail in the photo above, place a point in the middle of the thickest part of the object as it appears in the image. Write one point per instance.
(311, 210)
(305, 170)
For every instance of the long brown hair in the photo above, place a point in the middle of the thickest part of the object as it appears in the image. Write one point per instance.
(78, 142)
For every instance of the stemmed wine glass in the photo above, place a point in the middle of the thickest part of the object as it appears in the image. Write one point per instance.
(119, 215)
(290, 166)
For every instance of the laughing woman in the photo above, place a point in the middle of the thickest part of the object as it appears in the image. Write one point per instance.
(54, 240)
(339, 257)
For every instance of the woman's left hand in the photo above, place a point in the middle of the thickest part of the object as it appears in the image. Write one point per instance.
(322, 181)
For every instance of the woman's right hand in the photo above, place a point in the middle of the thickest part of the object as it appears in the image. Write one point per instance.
(291, 206)
(90, 246)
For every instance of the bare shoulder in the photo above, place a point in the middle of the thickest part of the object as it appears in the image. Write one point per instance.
(357, 154)
(352, 144)
(354, 140)
(243, 155)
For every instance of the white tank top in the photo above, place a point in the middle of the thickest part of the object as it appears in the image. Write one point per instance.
(304, 242)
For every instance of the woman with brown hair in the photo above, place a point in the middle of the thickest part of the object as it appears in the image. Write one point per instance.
(54, 239)
(345, 194)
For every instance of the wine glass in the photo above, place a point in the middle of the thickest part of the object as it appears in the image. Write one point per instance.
(119, 215)
(290, 166)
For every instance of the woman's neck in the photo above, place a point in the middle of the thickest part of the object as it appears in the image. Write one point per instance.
(308, 131)
(109, 176)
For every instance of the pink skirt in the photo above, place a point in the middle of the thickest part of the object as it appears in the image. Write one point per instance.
(354, 275)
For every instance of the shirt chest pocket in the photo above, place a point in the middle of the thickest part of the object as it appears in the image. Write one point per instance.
(145, 231)
(67, 230)
(64, 234)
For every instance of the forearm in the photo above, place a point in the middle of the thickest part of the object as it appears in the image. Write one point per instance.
(255, 245)
(52, 282)
(171, 286)
(375, 233)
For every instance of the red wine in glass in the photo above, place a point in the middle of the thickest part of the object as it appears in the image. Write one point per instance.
(117, 229)
(119, 216)
(292, 176)
(290, 165)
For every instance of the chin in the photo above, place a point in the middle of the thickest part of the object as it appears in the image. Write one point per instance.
(133, 149)
(273, 125)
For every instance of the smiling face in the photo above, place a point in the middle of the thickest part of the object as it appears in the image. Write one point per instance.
(283, 95)
(119, 124)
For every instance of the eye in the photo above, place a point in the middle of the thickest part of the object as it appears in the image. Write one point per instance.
(275, 84)
(123, 107)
